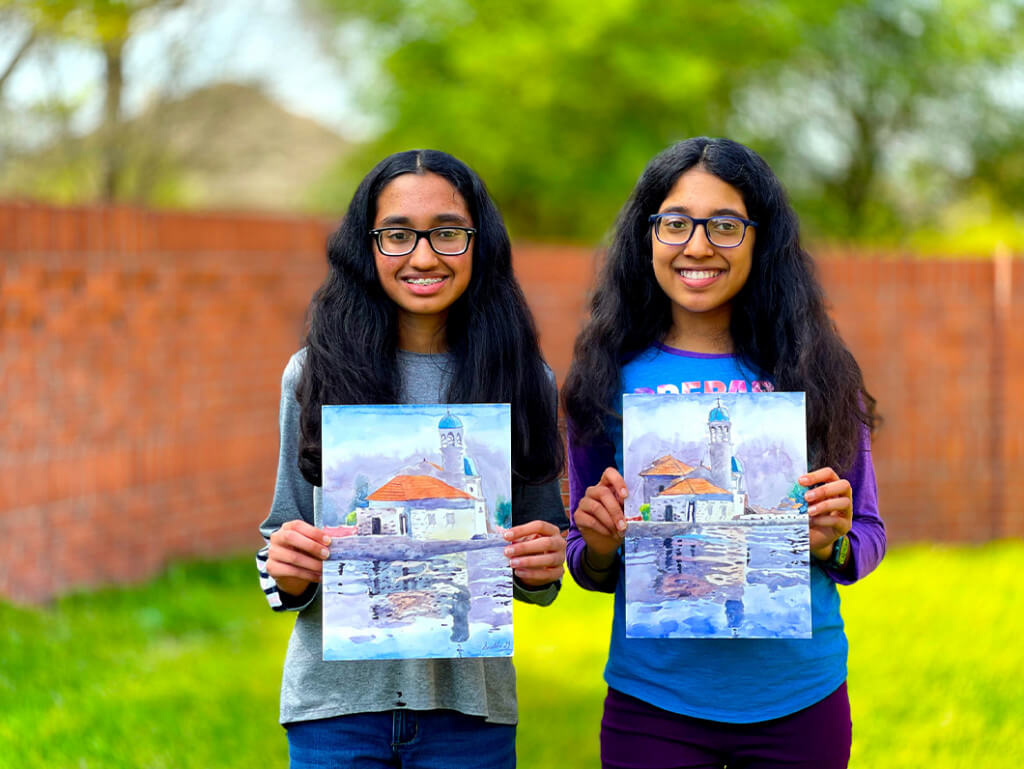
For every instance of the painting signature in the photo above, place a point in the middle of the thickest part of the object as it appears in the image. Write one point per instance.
(497, 645)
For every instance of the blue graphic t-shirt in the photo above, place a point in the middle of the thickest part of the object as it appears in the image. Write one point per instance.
(734, 680)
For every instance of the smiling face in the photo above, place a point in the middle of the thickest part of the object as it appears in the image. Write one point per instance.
(423, 284)
(702, 279)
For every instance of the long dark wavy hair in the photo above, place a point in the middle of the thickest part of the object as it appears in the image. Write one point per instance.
(779, 326)
(352, 342)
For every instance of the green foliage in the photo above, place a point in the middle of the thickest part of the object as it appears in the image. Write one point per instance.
(503, 512)
(89, 21)
(184, 672)
(645, 511)
(350, 519)
(888, 112)
(877, 115)
(559, 105)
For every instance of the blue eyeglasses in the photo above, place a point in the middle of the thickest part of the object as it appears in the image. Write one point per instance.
(674, 229)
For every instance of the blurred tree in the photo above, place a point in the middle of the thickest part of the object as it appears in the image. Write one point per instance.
(559, 104)
(889, 112)
(105, 25)
(120, 100)
(874, 112)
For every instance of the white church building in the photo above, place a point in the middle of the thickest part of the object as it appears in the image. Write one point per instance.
(430, 501)
(712, 490)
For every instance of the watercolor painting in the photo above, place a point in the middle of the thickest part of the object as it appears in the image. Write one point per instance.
(717, 544)
(415, 498)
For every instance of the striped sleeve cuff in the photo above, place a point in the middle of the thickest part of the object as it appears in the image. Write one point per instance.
(267, 583)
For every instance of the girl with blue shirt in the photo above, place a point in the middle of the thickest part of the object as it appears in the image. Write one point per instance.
(706, 288)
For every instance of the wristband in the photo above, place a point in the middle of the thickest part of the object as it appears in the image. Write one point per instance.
(840, 553)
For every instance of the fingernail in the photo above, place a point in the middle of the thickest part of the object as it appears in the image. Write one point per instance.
(621, 525)
(514, 563)
(507, 535)
(803, 479)
(622, 493)
(327, 540)
(325, 553)
(508, 551)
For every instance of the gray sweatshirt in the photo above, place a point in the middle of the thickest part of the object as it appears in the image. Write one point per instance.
(312, 688)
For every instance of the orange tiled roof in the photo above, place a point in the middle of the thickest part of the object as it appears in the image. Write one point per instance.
(693, 486)
(405, 487)
(667, 465)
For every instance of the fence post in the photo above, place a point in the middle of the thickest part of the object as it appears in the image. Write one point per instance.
(1002, 284)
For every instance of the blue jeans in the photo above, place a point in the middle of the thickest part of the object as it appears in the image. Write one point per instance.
(410, 739)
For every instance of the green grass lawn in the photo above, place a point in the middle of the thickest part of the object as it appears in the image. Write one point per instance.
(184, 671)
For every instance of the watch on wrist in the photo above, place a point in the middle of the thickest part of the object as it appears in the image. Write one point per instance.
(840, 553)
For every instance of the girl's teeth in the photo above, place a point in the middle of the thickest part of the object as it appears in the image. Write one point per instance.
(698, 274)
(424, 281)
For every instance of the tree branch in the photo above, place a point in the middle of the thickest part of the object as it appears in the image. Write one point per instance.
(27, 43)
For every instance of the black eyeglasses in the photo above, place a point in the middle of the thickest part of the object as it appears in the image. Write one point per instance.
(723, 231)
(446, 241)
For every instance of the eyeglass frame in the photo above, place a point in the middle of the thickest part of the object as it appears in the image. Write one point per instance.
(655, 219)
(470, 232)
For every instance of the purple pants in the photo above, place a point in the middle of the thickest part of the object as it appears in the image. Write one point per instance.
(637, 735)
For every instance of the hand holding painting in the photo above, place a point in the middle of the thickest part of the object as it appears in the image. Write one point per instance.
(601, 521)
(831, 512)
(296, 555)
(537, 552)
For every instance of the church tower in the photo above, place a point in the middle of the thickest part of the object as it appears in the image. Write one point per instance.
(720, 447)
(452, 450)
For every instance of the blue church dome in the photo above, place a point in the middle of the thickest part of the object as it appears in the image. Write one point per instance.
(718, 414)
(449, 421)
(737, 466)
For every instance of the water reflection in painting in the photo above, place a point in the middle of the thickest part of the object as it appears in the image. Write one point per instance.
(448, 601)
(718, 581)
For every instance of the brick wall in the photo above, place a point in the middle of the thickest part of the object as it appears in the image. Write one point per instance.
(946, 363)
(140, 365)
(141, 354)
